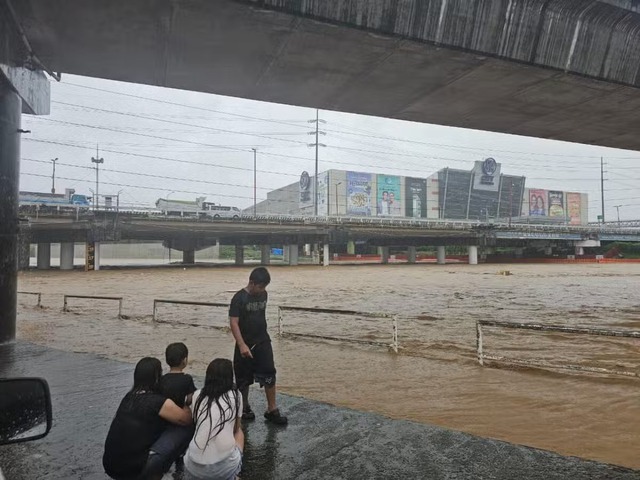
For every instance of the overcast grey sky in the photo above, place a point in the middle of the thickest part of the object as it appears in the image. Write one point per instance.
(156, 141)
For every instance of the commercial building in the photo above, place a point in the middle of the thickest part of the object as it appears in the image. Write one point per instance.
(483, 193)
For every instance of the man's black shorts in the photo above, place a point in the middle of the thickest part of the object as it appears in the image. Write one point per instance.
(260, 368)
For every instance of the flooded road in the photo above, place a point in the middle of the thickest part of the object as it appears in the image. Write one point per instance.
(435, 378)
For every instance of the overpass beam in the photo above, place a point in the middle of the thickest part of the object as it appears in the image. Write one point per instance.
(473, 255)
(265, 254)
(441, 255)
(293, 255)
(66, 256)
(239, 255)
(411, 254)
(44, 256)
(10, 115)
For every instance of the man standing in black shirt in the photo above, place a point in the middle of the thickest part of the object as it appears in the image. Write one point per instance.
(253, 355)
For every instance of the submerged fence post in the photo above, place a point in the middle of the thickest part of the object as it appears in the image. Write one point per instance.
(479, 343)
(120, 308)
(64, 306)
(280, 322)
(155, 303)
(395, 333)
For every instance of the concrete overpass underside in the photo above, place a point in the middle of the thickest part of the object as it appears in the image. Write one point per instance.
(558, 69)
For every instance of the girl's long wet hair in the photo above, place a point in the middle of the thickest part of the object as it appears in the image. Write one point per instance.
(146, 376)
(218, 388)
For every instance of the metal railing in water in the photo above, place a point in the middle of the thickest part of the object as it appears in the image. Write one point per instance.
(394, 325)
(192, 303)
(65, 306)
(38, 294)
(482, 356)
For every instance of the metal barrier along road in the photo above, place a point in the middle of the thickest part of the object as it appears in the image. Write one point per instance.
(65, 307)
(393, 318)
(188, 302)
(549, 328)
(39, 304)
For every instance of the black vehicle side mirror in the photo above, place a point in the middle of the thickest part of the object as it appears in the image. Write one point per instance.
(25, 409)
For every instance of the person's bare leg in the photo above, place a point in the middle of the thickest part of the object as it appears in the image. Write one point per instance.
(245, 398)
(270, 392)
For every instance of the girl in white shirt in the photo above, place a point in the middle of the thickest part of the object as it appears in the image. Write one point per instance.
(215, 453)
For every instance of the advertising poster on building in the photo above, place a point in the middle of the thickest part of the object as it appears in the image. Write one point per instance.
(306, 190)
(573, 206)
(388, 199)
(358, 193)
(416, 197)
(537, 203)
(486, 175)
(323, 198)
(556, 204)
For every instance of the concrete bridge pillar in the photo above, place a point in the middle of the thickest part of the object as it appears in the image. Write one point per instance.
(24, 252)
(326, 252)
(265, 254)
(96, 246)
(188, 257)
(215, 255)
(441, 256)
(519, 252)
(411, 254)
(384, 254)
(579, 251)
(293, 255)
(351, 247)
(10, 115)
(473, 255)
(66, 256)
(286, 253)
(239, 254)
(44, 256)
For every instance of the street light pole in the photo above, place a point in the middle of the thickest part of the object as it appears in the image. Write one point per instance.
(97, 160)
(618, 209)
(255, 155)
(53, 176)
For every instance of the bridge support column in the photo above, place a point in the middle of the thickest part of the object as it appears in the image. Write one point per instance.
(97, 256)
(24, 252)
(188, 257)
(239, 254)
(293, 255)
(441, 255)
(44, 256)
(473, 255)
(326, 251)
(411, 254)
(66, 256)
(519, 252)
(579, 250)
(265, 254)
(10, 115)
(216, 251)
(384, 254)
(351, 247)
(285, 253)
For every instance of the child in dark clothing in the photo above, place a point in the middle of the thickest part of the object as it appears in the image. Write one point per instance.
(177, 385)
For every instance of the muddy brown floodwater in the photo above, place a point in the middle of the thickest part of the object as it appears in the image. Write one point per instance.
(435, 379)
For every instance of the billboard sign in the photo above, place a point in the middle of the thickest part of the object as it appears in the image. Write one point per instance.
(556, 204)
(486, 175)
(537, 203)
(306, 190)
(323, 197)
(416, 197)
(358, 193)
(574, 208)
(388, 199)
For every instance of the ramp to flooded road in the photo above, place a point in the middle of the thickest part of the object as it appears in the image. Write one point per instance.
(320, 442)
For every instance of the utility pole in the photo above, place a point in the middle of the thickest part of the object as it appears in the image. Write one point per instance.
(317, 132)
(255, 154)
(97, 160)
(53, 176)
(510, 202)
(618, 209)
(602, 185)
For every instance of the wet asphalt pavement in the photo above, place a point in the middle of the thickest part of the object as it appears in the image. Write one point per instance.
(321, 442)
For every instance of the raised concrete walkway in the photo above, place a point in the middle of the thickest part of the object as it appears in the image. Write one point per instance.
(321, 442)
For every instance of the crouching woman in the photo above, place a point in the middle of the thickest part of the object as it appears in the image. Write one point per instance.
(149, 431)
(215, 453)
